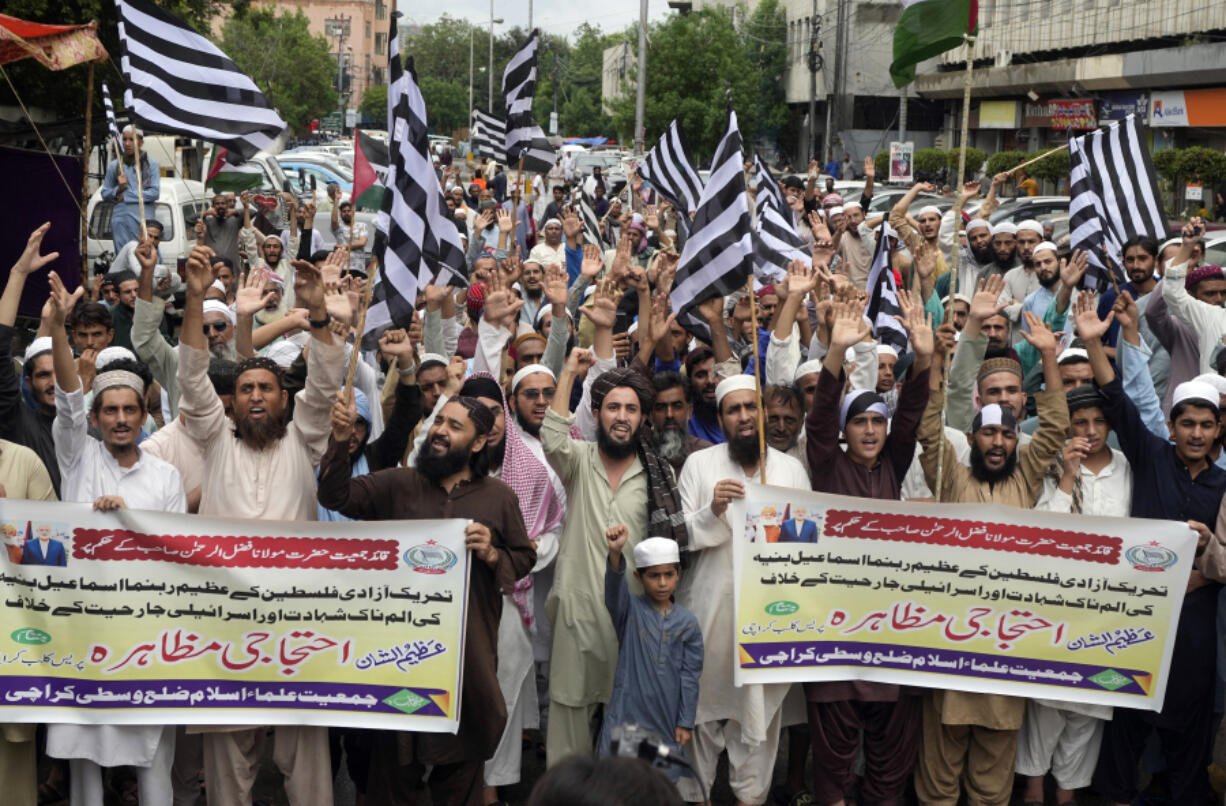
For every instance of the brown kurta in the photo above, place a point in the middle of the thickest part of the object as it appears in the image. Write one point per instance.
(405, 494)
(833, 471)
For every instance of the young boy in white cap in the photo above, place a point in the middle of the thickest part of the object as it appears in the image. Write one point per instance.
(659, 657)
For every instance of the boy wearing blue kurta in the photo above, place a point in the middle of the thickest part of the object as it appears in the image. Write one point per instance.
(659, 658)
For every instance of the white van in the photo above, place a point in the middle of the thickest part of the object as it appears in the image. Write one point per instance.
(181, 202)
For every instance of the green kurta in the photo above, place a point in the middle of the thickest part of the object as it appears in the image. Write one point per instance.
(584, 652)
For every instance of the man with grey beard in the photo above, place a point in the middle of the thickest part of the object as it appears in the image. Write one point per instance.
(670, 416)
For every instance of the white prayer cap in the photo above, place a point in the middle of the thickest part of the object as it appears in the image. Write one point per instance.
(112, 353)
(37, 347)
(283, 353)
(272, 236)
(850, 205)
(887, 349)
(1214, 380)
(957, 298)
(118, 377)
(531, 369)
(219, 285)
(733, 384)
(1004, 228)
(432, 358)
(217, 306)
(977, 223)
(1195, 390)
(994, 414)
(835, 211)
(1075, 353)
(656, 551)
(1030, 225)
(929, 209)
(807, 368)
(131, 128)
(1048, 245)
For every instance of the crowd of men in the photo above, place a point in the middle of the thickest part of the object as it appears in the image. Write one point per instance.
(557, 404)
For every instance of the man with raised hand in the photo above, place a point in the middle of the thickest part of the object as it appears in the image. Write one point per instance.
(111, 473)
(261, 465)
(743, 720)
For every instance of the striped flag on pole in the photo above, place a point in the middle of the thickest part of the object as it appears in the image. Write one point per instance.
(587, 214)
(525, 139)
(111, 125)
(718, 255)
(883, 295)
(1114, 196)
(489, 136)
(178, 81)
(769, 191)
(670, 170)
(777, 245)
(416, 243)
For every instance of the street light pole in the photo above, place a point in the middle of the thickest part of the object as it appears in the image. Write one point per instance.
(490, 108)
(640, 95)
(470, 74)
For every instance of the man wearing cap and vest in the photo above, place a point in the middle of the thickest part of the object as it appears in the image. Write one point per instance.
(842, 715)
(970, 740)
(743, 720)
(111, 473)
(1171, 480)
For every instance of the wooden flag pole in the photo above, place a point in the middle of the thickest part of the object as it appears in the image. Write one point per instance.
(953, 270)
(140, 182)
(89, 116)
(757, 378)
(355, 354)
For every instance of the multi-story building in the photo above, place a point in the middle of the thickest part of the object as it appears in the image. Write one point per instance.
(616, 73)
(356, 31)
(1045, 68)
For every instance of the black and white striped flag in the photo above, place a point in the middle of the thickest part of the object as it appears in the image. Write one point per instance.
(769, 191)
(1114, 196)
(111, 125)
(718, 255)
(178, 81)
(416, 243)
(670, 170)
(587, 214)
(777, 245)
(883, 295)
(525, 139)
(489, 136)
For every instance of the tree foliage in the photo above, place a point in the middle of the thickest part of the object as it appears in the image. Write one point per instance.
(374, 104)
(1054, 167)
(1201, 164)
(446, 104)
(1005, 161)
(974, 160)
(292, 66)
(929, 163)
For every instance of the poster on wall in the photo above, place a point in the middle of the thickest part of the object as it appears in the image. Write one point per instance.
(901, 155)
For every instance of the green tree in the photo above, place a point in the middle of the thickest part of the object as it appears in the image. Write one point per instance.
(764, 36)
(882, 163)
(446, 104)
(1005, 161)
(974, 159)
(374, 104)
(928, 163)
(1202, 164)
(1054, 167)
(292, 66)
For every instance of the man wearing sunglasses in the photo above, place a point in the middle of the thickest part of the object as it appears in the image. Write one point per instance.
(219, 326)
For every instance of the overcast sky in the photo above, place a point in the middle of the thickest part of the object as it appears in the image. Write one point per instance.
(554, 16)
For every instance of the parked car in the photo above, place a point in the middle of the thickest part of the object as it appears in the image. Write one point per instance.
(1215, 250)
(1027, 207)
(178, 206)
(320, 172)
(884, 200)
(610, 168)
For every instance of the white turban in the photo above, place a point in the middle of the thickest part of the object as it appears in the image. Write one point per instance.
(113, 353)
(1030, 225)
(217, 306)
(929, 209)
(977, 223)
(1045, 245)
(283, 353)
(734, 384)
(1195, 390)
(37, 347)
(531, 369)
(807, 368)
(887, 349)
(852, 206)
(1004, 228)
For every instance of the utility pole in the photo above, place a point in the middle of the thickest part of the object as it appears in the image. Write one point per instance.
(471, 30)
(490, 103)
(640, 99)
(815, 64)
(529, 15)
(902, 116)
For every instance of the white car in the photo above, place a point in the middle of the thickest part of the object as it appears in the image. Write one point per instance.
(178, 206)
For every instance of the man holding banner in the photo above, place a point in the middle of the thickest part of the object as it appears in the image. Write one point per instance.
(450, 479)
(973, 737)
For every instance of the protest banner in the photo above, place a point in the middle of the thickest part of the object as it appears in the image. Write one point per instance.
(901, 156)
(147, 618)
(971, 597)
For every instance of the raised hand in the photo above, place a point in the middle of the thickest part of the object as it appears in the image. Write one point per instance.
(593, 262)
(969, 191)
(342, 416)
(146, 255)
(252, 294)
(571, 225)
(800, 278)
(925, 260)
(917, 322)
(1126, 313)
(555, 284)
(712, 310)
(62, 302)
(621, 259)
(580, 361)
(308, 285)
(396, 343)
(30, 260)
(945, 338)
(506, 222)
(985, 302)
(1089, 326)
(849, 327)
(511, 268)
(603, 310)
(870, 168)
(336, 301)
(1040, 336)
(336, 262)
(199, 269)
(1074, 268)
(501, 306)
(616, 537)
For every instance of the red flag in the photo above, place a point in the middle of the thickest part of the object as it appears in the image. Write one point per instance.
(369, 154)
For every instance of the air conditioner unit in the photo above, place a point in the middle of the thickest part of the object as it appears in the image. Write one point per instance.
(1004, 58)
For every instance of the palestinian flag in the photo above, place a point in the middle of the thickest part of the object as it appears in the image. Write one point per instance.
(225, 177)
(369, 170)
(928, 28)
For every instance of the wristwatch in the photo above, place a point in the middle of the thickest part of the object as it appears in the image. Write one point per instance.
(320, 322)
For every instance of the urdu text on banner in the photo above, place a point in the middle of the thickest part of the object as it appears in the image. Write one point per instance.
(971, 597)
(146, 618)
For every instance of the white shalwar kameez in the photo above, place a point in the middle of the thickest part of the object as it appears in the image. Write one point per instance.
(744, 720)
(89, 471)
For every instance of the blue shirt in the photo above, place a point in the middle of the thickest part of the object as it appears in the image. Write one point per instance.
(711, 432)
(1036, 302)
(659, 662)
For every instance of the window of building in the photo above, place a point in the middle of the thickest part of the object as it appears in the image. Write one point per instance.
(376, 75)
(368, 29)
(380, 42)
(380, 10)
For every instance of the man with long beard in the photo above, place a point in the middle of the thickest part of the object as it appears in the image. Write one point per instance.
(743, 720)
(977, 260)
(669, 416)
(969, 738)
(619, 479)
(261, 466)
(1047, 272)
(450, 479)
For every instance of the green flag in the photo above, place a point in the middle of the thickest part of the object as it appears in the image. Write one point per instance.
(928, 28)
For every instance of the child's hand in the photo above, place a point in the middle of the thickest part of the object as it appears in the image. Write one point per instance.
(617, 536)
(682, 735)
